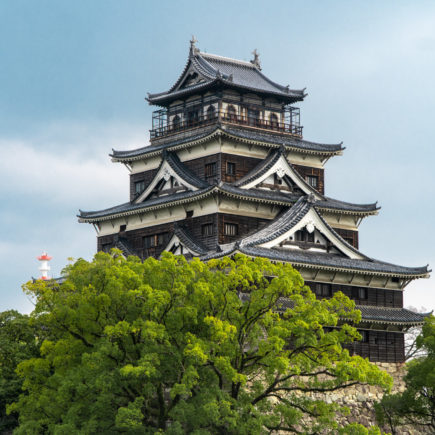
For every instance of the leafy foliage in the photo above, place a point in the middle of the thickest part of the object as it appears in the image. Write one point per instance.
(416, 405)
(172, 347)
(18, 342)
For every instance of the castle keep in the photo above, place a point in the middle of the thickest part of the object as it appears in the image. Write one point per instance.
(228, 170)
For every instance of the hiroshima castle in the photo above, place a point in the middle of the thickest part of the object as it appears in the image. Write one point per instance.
(228, 171)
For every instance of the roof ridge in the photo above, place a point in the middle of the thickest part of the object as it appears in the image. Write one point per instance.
(227, 59)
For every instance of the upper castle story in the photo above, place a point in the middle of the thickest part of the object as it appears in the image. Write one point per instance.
(214, 89)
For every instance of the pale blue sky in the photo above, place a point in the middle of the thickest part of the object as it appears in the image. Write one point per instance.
(74, 74)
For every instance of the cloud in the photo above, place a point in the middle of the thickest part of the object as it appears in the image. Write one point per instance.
(77, 170)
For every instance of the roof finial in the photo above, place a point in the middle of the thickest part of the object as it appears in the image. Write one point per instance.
(256, 60)
(193, 47)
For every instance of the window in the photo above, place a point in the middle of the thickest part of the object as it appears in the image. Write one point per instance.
(253, 117)
(231, 229)
(231, 113)
(211, 113)
(365, 336)
(207, 230)
(304, 236)
(313, 181)
(210, 170)
(189, 214)
(154, 241)
(122, 228)
(231, 168)
(176, 122)
(139, 187)
(274, 121)
(323, 290)
(193, 117)
(362, 293)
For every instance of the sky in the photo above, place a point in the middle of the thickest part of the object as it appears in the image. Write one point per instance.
(74, 75)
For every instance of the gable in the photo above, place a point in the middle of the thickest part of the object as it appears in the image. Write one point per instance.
(281, 176)
(165, 182)
(312, 234)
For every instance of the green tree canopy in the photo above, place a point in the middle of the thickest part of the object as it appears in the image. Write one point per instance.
(416, 405)
(176, 347)
(18, 342)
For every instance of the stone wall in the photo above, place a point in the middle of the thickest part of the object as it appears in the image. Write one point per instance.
(360, 399)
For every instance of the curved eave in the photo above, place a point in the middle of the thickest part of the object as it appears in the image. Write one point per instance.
(299, 264)
(389, 322)
(120, 156)
(164, 98)
(145, 208)
(361, 213)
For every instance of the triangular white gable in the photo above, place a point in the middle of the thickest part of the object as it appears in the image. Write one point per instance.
(282, 168)
(178, 248)
(313, 222)
(164, 175)
(190, 77)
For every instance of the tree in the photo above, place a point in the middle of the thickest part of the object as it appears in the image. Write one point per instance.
(411, 336)
(175, 347)
(18, 342)
(416, 405)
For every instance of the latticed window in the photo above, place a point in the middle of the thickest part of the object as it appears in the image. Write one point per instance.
(231, 168)
(210, 169)
(323, 290)
(207, 230)
(154, 241)
(176, 122)
(365, 336)
(139, 187)
(231, 113)
(231, 229)
(362, 293)
(274, 121)
(211, 113)
(313, 181)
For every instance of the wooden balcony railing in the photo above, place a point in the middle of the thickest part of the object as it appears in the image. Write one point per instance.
(168, 128)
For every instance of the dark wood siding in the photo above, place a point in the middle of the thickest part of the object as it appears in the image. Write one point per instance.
(348, 235)
(381, 346)
(198, 166)
(244, 224)
(243, 165)
(305, 171)
(375, 296)
(146, 176)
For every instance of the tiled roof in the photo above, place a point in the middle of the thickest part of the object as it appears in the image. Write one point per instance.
(391, 315)
(188, 240)
(129, 208)
(368, 313)
(125, 247)
(332, 261)
(189, 137)
(261, 168)
(280, 225)
(233, 73)
(271, 197)
(290, 142)
(278, 197)
(183, 171)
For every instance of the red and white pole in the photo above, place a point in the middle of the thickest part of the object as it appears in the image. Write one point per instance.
(44, 268)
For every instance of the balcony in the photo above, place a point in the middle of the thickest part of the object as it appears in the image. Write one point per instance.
(250, 118)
